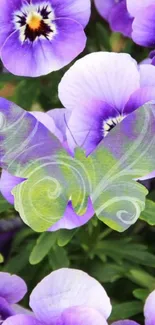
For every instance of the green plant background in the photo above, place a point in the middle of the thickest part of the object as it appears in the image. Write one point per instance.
(123, 263)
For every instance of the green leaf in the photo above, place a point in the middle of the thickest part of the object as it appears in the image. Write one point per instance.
(65, 236)
(4, 205)
(126, 310)
(148, 215)
(141, 294)
(142, 278)
(43, 245)
(58, 258)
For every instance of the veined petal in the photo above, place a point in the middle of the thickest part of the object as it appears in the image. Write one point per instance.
(149, 310)
(144, 26)
(67, 288)
(12, 287)
(104, 7)
(81, 316)
(134, 6)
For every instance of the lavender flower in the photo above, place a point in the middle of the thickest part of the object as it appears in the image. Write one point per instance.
(116, 13)
(41, 36)
(99, 91)
(66, 297)
(12, 290)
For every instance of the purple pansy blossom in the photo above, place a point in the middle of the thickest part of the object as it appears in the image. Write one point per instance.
(54, 121)
(116, 13)
(41, 36)
(66, 297)
(100, 90)
(12, 290)
(149, 312)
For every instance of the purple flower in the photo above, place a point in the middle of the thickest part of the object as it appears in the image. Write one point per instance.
(100, 90)
(143, 25)
(66, 297)
(116, 13)
(149, 312)
(54, 121)
(12, 290)
(41, 36)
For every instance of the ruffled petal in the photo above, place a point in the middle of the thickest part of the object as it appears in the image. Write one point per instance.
(134, 6)
(144, 26)
(42, 56)
(104, 7)
(12, 287)
(81, 316)
(67, 288)
(149, 310)
(120, 20)
(7, 183)
(22, 320)
(108, 77)
(71, 220)
(139, 98)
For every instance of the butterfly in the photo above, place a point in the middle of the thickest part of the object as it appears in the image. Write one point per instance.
(52, 177)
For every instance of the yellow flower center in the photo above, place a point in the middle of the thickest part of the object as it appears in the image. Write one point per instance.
(34, 21)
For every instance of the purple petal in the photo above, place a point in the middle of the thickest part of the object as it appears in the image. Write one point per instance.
(22, 320)
(43, 56)
(60, 117)
(125, 322)
(71, 220)
(67, 288)
(5, 310)
(81, 316)
(144, 26)
(49, 123)
(12, 287)
(139, 98)
(147, 75)
(104, 7)
(120, 20)
(7, 183)
(149, 310)
(78, 10)
(87, 125)
(135, 6)
(108, 77)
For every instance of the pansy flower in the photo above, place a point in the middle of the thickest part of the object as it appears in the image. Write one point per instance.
(52, 163)
(66, 297)
(99, 91)
(116, 13)
(12, 290)
(41, 36)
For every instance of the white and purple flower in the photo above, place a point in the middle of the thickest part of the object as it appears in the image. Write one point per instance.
(12, 290)
(66, 297)
(41, 36)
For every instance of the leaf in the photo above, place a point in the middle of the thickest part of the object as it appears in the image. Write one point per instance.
(148, 215)
(43, 245)
(4, 205)
(141, 294)
(126, 310)
(142, 278)
(58, 258)
(65, 236)
(1, 258)
(108, 272)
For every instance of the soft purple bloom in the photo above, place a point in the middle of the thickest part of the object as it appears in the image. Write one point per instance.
(100, 90)
(66, 297)
(41, 36)
(55, 121)
(12, 290)
(116, 13)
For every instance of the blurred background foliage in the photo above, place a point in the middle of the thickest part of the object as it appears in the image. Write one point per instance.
(123, 263)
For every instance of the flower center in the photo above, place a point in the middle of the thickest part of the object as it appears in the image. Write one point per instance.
(110, 123)
(35, 21)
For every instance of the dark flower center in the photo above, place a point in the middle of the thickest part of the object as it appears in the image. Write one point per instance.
(35, 21)
(110, 123)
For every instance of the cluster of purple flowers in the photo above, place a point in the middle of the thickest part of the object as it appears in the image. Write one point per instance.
(132, 18)
(64, 297)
